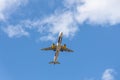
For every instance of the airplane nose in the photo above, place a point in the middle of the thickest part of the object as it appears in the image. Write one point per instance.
(61, 33)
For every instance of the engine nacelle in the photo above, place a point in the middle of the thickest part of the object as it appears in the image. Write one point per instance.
(53, 46)
(64, 46)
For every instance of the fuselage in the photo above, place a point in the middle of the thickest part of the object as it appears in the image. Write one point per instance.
(58, 46)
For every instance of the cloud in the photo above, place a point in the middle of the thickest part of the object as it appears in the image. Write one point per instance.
(47, 38)
(108, 74)
(15, 31)
(49, 26)
(100, 12)
(72, 3)
(96, 11)
(60, 22)
(8, 6)
(66, 20)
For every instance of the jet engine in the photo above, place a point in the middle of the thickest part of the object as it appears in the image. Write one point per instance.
(53, 46)
(64, 46)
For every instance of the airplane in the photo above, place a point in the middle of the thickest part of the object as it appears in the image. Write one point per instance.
(57, 48)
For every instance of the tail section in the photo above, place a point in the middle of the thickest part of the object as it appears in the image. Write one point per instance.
(53, 62)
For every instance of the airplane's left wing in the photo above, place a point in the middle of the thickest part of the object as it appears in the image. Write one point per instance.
(68, 50)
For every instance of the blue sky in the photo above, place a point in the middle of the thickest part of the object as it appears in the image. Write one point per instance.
(90, 28)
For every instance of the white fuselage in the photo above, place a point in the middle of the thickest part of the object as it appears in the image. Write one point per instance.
(58, 47)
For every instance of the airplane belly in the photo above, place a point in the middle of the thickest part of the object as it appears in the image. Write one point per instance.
(56, 56)
(57, 51)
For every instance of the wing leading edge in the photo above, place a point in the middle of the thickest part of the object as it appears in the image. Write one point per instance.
(52, 47)
(68, 50)
(49, 48)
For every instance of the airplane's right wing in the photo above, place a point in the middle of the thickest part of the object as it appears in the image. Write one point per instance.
(49, 48)
(53, 47)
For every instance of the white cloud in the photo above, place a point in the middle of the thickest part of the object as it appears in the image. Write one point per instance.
(108, 74)
(15, 31)
(60, 22)
(71, 3)
(79, 11)
(52, 25)
(8, 6)
(47, 38)
(97, 11)
(74, 12)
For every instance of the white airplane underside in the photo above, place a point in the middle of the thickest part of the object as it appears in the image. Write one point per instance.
(57, 48)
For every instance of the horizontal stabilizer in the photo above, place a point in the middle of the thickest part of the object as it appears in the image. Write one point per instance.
(53, 62)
